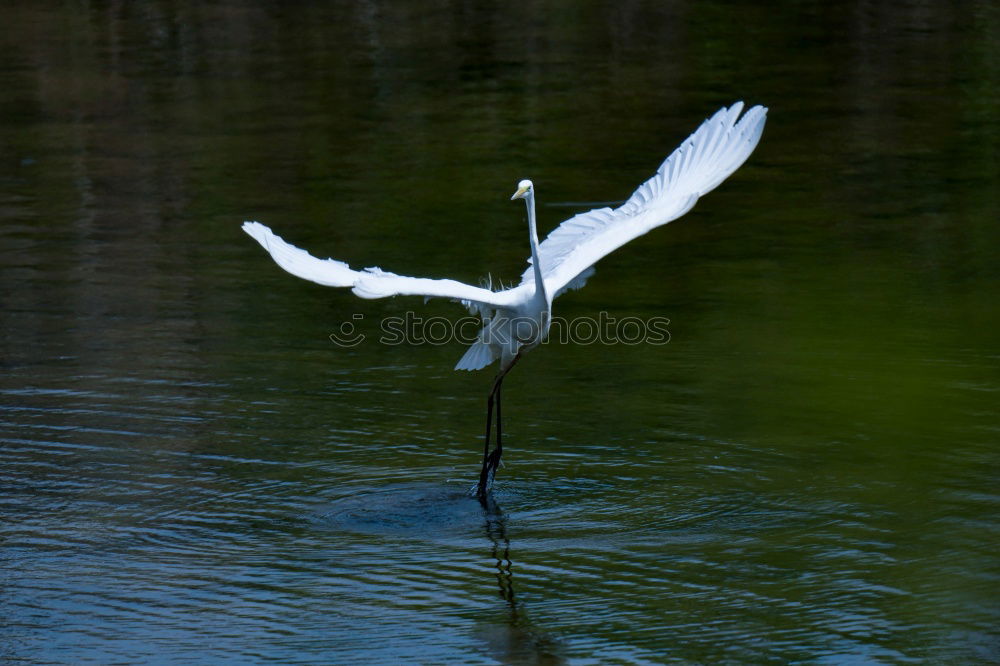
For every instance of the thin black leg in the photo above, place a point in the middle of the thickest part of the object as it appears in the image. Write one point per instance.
(484, 474)
(491, 460)
(499, 429)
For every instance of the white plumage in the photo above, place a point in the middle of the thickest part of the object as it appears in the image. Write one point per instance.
(565, 259)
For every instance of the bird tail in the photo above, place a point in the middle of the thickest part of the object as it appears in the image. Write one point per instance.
(476, 357)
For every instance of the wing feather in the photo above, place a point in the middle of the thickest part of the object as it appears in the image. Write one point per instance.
(371, 282)
(702, 161)
(298, 262)
(376, 283)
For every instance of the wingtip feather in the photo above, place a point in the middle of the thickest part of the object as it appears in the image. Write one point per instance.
(298, 262)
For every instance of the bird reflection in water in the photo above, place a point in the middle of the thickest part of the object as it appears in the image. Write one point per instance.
(516, 641)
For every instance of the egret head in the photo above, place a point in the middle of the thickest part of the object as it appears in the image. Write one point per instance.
(524, 189)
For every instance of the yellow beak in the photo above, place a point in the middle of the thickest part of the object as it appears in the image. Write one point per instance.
(521, 191)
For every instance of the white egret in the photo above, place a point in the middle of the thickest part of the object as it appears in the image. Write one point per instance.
(517, 319)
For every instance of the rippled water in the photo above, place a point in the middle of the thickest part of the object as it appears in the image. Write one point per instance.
(190, 470)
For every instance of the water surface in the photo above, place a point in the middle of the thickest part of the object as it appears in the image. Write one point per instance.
(190, 470)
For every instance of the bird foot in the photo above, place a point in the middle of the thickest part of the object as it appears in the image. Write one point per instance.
(488, 472)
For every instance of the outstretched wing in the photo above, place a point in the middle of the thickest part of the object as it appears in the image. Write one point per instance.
(371, 282)
(376, 283)
(298, 262)
(696, 167)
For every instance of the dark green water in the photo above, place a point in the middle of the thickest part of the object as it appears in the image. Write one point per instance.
(190, 470)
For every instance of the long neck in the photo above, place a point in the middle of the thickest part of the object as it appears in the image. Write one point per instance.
(533, 239)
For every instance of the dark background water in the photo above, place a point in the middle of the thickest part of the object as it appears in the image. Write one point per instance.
(190, 470)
